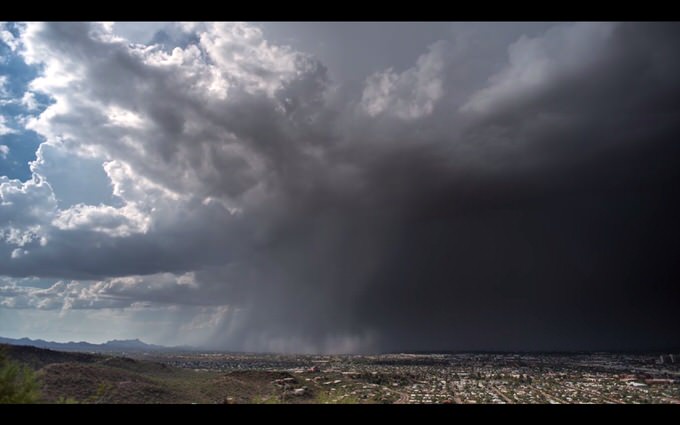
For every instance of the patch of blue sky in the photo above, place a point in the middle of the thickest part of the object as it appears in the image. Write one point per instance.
(21, 143)
(169, 40)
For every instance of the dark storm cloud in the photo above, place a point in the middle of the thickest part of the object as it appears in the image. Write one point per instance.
(563, 239)
(431, 209)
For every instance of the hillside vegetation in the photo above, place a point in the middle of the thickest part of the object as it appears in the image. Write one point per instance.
(48, 376)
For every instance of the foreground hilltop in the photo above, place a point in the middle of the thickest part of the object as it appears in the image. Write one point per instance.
(192, 377)
(100, 378)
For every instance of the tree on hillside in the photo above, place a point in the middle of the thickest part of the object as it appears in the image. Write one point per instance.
(17, 383)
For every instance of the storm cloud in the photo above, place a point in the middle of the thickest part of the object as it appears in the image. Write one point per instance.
(508, 192)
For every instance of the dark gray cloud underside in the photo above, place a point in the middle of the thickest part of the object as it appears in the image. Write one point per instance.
(575, 253)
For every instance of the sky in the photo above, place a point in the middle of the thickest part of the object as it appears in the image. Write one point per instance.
(341, 187)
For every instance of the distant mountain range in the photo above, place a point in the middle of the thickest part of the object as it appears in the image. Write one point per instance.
(116, 345)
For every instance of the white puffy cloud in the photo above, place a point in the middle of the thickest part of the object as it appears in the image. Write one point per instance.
(153, 133)
(3, 127)
(7, 37)
(245, 58)
(159, 289)
(155, 142)
(411, 94)
(29, 101)
(158, 110)
(4, 151)
(118, 222)
(24, 208)
(18, 253)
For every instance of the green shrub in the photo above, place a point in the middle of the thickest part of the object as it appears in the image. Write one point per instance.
(17, 383)
(66, 400)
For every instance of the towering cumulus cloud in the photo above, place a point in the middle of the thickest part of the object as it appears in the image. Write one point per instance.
(217, 188)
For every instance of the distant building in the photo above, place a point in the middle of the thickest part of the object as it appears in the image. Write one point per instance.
(636, 384)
